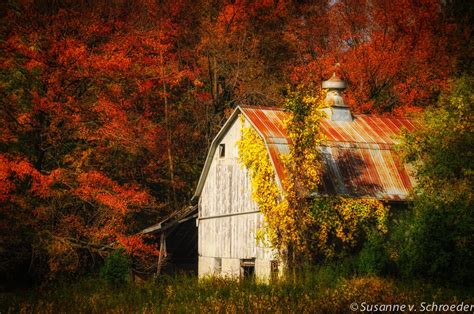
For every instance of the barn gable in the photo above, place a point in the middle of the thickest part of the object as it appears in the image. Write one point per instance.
(228, 218)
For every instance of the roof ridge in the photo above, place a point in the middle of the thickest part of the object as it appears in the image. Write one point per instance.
(261, 107)
(374, 115)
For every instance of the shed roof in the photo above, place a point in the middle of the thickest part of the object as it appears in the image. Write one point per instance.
(359, 157)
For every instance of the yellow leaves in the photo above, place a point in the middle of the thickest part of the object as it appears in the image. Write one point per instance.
(253, 155)
(303, 166)
(344, 221)
(310, 99)
(319, 227)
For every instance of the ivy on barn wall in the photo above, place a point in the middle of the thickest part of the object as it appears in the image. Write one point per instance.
(300, 226)
(340, 224)
(265, 191)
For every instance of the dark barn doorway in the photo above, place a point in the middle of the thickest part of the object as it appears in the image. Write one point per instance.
(178, 238)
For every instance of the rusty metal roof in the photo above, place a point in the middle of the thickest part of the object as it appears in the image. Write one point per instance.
(359, 157)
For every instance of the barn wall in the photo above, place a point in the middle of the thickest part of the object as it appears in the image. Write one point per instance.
(228, 216)
(227, 187)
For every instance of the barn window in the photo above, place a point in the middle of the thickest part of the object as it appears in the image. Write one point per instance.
(247, 268)
(217, 265)
(221, 150)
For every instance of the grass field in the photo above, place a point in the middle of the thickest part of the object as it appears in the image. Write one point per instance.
(321, 290)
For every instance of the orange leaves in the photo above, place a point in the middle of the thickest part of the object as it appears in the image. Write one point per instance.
(147, 85)
(86, 92)
(135, 245)
(12, 169)
(232, 17)
(6, 186)
(393, 53)
(42, 186)
(114, 62)
(22, 169)
(117, 128)
(96, 187)
(70, 52)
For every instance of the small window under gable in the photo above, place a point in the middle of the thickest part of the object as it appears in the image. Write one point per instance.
(221, 150)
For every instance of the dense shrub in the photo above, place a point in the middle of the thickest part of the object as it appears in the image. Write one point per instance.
(116, 268)
(373, 259)
(435, 243)
(437, 239)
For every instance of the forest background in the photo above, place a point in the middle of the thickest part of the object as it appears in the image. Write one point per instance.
(108, 108)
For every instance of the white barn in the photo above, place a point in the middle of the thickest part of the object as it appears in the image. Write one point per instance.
(359, 161)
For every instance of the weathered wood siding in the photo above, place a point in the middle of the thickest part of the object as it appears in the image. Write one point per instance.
(228, 216)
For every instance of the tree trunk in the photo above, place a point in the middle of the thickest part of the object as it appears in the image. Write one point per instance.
(169, 142)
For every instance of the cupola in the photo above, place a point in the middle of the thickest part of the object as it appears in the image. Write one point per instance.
(335, 108)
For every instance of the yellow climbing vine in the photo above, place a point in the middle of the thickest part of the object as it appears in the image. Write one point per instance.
(303, 167)
(340, 223)
(265, 191)
(300, 223)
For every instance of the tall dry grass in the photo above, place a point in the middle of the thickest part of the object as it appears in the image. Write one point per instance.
(317, 290)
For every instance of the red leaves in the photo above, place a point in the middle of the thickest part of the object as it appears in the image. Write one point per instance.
(96, 187)
(6, 186)
(147, 85)
(393, 53)
(70, 52)
(114, 62)
(13, 170)
(107, 110)
(134, 245)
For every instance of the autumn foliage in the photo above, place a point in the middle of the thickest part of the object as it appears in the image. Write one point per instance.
(107, 108)
(87, 150)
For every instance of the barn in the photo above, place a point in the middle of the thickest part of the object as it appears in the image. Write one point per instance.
(359, 160)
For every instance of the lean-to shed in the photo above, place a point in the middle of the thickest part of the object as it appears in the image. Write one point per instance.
(359, 160)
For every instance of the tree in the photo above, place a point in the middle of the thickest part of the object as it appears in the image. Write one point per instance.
(107, 109)
(387, 50)
(89, 113)
(438, 240)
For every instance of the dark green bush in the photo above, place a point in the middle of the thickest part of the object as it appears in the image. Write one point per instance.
(116, 268)
(373, 259)
(437, 243)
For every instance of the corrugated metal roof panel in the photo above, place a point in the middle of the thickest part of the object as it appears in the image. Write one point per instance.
(269, 122)
(358, 156)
